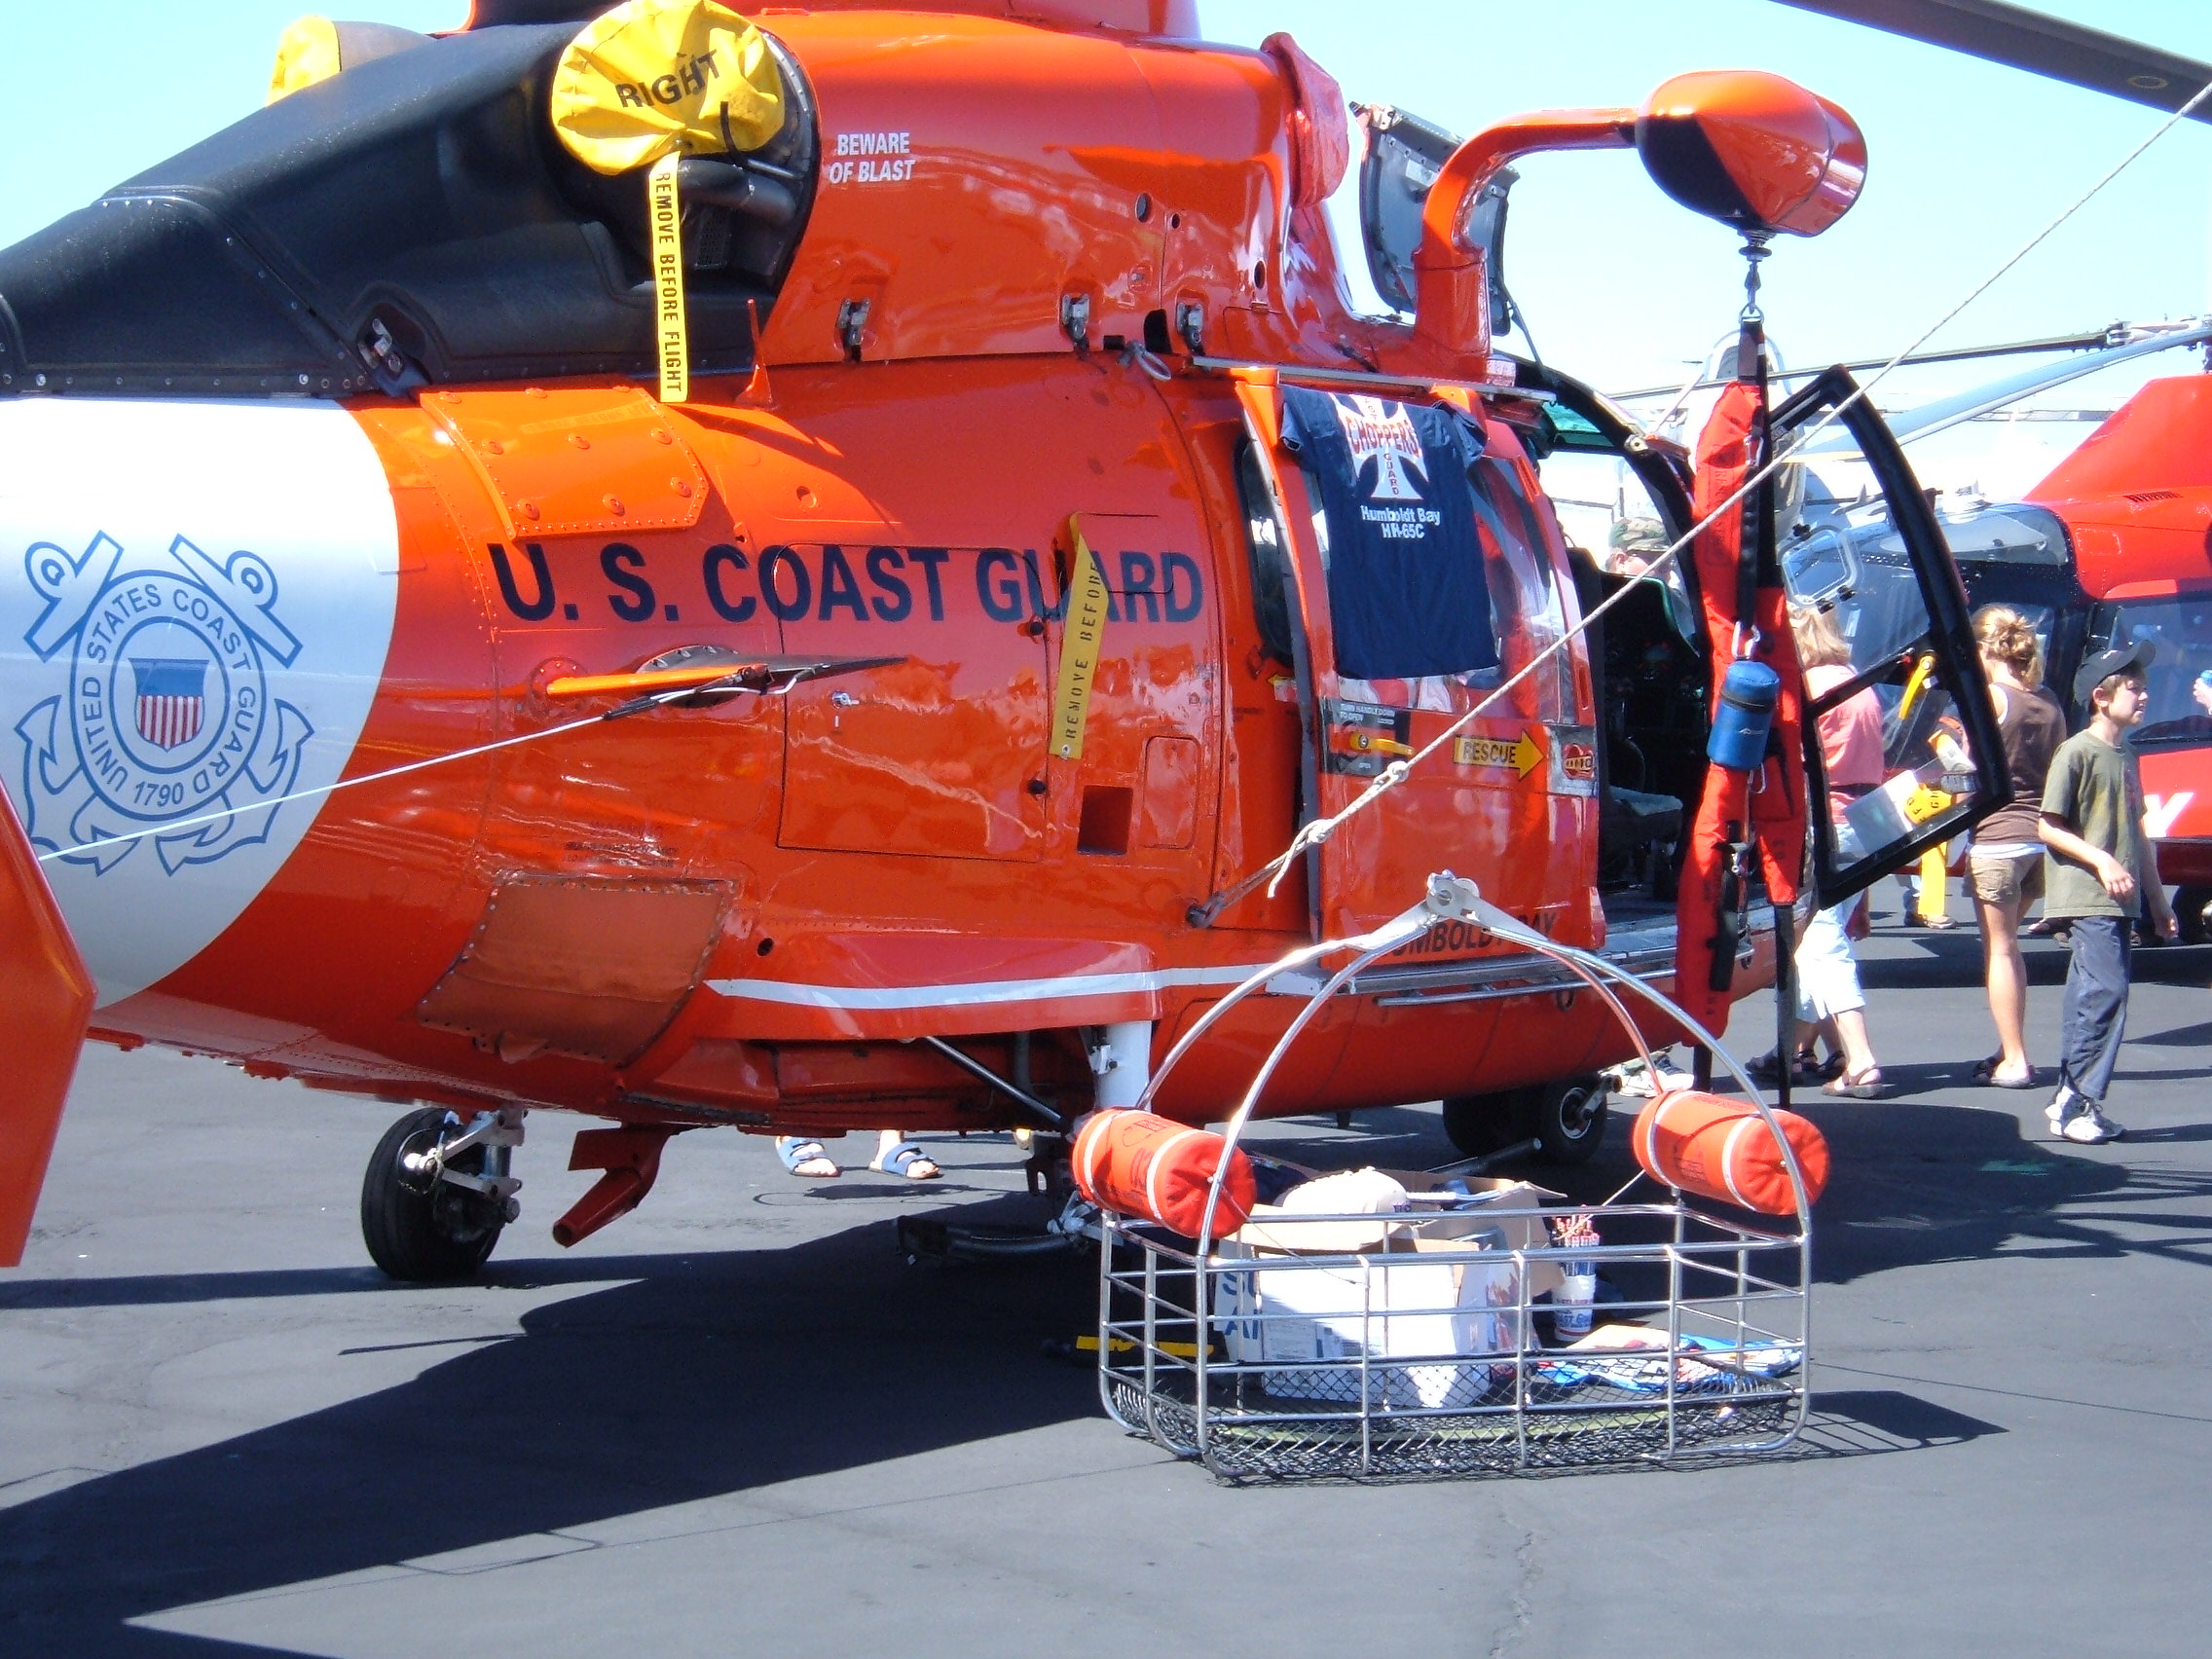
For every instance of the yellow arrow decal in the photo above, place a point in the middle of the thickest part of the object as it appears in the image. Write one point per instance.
(1523, 754)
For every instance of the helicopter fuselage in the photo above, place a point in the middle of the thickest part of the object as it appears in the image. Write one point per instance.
(748, 909)
(350, 531)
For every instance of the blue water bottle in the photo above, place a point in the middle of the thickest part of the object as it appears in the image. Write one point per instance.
(1740, 720)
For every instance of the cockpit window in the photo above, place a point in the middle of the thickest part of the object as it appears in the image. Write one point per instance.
(2180, 715)
(1562, 429)
(2017, 535)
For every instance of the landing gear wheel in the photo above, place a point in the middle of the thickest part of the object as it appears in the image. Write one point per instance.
(420, 1229)
(1479, 1125)
(2189, 911)
(1569, 1119)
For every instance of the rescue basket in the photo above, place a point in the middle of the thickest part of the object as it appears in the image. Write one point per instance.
(1468, 1326)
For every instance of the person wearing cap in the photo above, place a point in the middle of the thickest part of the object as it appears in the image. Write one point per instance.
(1634, 544)
(2100, 876)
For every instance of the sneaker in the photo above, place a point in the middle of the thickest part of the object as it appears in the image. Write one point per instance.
(2063, 1105)
(2090, 1128)
(1638, 1082)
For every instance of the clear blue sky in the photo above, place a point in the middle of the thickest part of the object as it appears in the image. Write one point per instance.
(1967, 159)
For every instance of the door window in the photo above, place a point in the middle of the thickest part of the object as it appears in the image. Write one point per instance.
(1901, 740)
(1267, 549)
(1525, 599)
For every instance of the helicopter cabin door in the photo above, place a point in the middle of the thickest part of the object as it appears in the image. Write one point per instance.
(1425, 581)
(1888, 647)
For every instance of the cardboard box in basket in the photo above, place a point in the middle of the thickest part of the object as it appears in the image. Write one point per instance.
(1388, 1303)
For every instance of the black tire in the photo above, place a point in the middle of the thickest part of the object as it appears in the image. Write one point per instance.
(1479, 1125)
(423, 1232)
(2189, 911)
(1569, 1119)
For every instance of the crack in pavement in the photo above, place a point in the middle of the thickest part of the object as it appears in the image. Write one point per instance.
(1526, 1574)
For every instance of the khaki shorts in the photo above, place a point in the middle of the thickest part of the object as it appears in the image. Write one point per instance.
(2007, 878)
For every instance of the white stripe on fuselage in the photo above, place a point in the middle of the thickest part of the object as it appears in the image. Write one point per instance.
(976, 993)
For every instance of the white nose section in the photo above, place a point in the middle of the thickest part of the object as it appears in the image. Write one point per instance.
(196, 600)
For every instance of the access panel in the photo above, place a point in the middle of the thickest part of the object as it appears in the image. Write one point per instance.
(938, 752)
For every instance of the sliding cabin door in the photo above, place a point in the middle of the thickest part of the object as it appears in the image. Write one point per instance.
(1423, 580)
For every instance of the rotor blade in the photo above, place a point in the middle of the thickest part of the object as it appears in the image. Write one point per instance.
(2021, 39)
(2102, 338)
(1931, 417)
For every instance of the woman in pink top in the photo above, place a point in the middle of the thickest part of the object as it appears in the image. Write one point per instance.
(1851, 732)
(1829, 995)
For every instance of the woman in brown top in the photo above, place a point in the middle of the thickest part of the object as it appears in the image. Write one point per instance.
(2005, 866)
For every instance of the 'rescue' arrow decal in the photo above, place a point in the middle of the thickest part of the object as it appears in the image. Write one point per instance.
(1523, 754)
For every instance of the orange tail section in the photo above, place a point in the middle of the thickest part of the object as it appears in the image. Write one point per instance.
(46, 1000)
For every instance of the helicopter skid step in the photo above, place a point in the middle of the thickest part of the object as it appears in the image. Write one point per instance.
(1646, 951)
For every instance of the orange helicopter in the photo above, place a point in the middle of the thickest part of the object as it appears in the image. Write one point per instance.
(828, 628)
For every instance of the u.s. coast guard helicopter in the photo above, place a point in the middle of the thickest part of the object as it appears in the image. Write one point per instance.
(791, 574)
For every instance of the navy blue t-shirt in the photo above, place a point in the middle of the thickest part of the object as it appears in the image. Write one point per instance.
(1407, 591)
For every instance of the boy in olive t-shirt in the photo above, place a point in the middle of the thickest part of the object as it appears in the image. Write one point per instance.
(2101, 872)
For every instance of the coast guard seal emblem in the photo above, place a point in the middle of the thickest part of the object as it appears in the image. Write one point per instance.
(167, 714)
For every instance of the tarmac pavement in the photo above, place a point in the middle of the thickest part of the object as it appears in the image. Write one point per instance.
(738, 1421)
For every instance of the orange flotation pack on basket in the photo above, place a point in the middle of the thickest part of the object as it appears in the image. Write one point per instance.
(1137, 1164)
(1722, 1149)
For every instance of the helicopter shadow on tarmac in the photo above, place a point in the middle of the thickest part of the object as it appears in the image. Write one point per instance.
(707, 1373)
(703, 1375)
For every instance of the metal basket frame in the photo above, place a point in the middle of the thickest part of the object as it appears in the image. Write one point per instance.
(1505, 1406)
(1729, 1380)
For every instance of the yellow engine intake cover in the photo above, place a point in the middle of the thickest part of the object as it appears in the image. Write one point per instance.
(656, 77)
(307, 51)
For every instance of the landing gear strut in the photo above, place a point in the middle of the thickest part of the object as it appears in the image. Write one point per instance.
(436, 1194)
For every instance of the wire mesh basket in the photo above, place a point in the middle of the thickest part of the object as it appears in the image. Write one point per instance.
(1450, 1340)
(1460, 1332)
